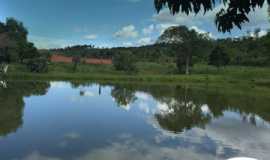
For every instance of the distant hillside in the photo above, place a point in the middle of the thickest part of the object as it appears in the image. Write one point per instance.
(243, 51)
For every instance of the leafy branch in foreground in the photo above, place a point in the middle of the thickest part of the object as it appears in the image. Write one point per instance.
(235, 13)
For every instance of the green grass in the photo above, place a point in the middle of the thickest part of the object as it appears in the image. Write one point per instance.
(149, 72)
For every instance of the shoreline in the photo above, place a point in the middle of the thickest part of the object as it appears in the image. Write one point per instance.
(160, 79)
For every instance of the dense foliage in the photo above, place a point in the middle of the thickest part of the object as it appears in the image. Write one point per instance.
(76, 60)
(124, 61)
(14, 44)
(15, 48)
(186, 43)
(219, 57)
(37, 65)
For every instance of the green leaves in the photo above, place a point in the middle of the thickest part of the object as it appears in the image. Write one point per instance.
(234, 15)
(37, 65)
(124, 61)
(219, 57)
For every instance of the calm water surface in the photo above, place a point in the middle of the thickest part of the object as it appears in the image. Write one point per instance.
(73, 121)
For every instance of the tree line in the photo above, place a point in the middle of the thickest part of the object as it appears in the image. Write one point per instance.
(185, 47)
(178, 45)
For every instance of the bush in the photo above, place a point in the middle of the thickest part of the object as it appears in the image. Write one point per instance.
(76, 60)
(124, 61)
(37, 65)
(219, 57)
(181, 63)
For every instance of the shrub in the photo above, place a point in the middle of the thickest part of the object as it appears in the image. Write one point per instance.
(37, 65)
(219, 57)
(181, 62)
(76, 60)
(124, 61)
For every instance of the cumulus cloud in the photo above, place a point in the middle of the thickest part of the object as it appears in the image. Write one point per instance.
(125, 107)
(60, 85)
(90, 37)
(162, 27)
(142, 150)
(260, 34)
(127, 32)
(149, 30)
(258, 19)
(201, 31)
(142, 96)
(229, 139)
(145, 41)
(128, 44)
(144, 107)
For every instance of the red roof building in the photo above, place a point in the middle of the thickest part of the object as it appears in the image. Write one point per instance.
(64, 59)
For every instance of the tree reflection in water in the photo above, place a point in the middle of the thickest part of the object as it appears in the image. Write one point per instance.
(123, 95)
(183, 113)
(12, 103)
(191, 106)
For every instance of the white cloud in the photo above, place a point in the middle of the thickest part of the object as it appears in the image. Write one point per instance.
(142, 96)
(127, 44)
(127, 32)
(125, 107)
(144, 107)
(60, 85)
(89, 94)
(225, 132)
(258, 19)
(163, 108)
(205, 109)
(148, 30)
(145, 41)
(201, 31)
(142, 150)
(90, 37)
(162, 27)
(260, 34)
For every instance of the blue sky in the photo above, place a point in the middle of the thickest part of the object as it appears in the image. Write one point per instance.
(108, 23)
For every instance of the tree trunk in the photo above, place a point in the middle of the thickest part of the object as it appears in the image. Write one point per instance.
(3, 84)
(5, 69)
(187, 65)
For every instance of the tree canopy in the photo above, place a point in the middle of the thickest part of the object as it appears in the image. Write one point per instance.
(234, 14)
(219, 57)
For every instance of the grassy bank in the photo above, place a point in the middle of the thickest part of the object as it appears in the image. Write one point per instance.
(148, 72)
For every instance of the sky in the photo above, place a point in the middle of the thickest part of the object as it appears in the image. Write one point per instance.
(110, 23)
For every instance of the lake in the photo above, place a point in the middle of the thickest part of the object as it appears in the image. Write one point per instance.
(85, 121)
